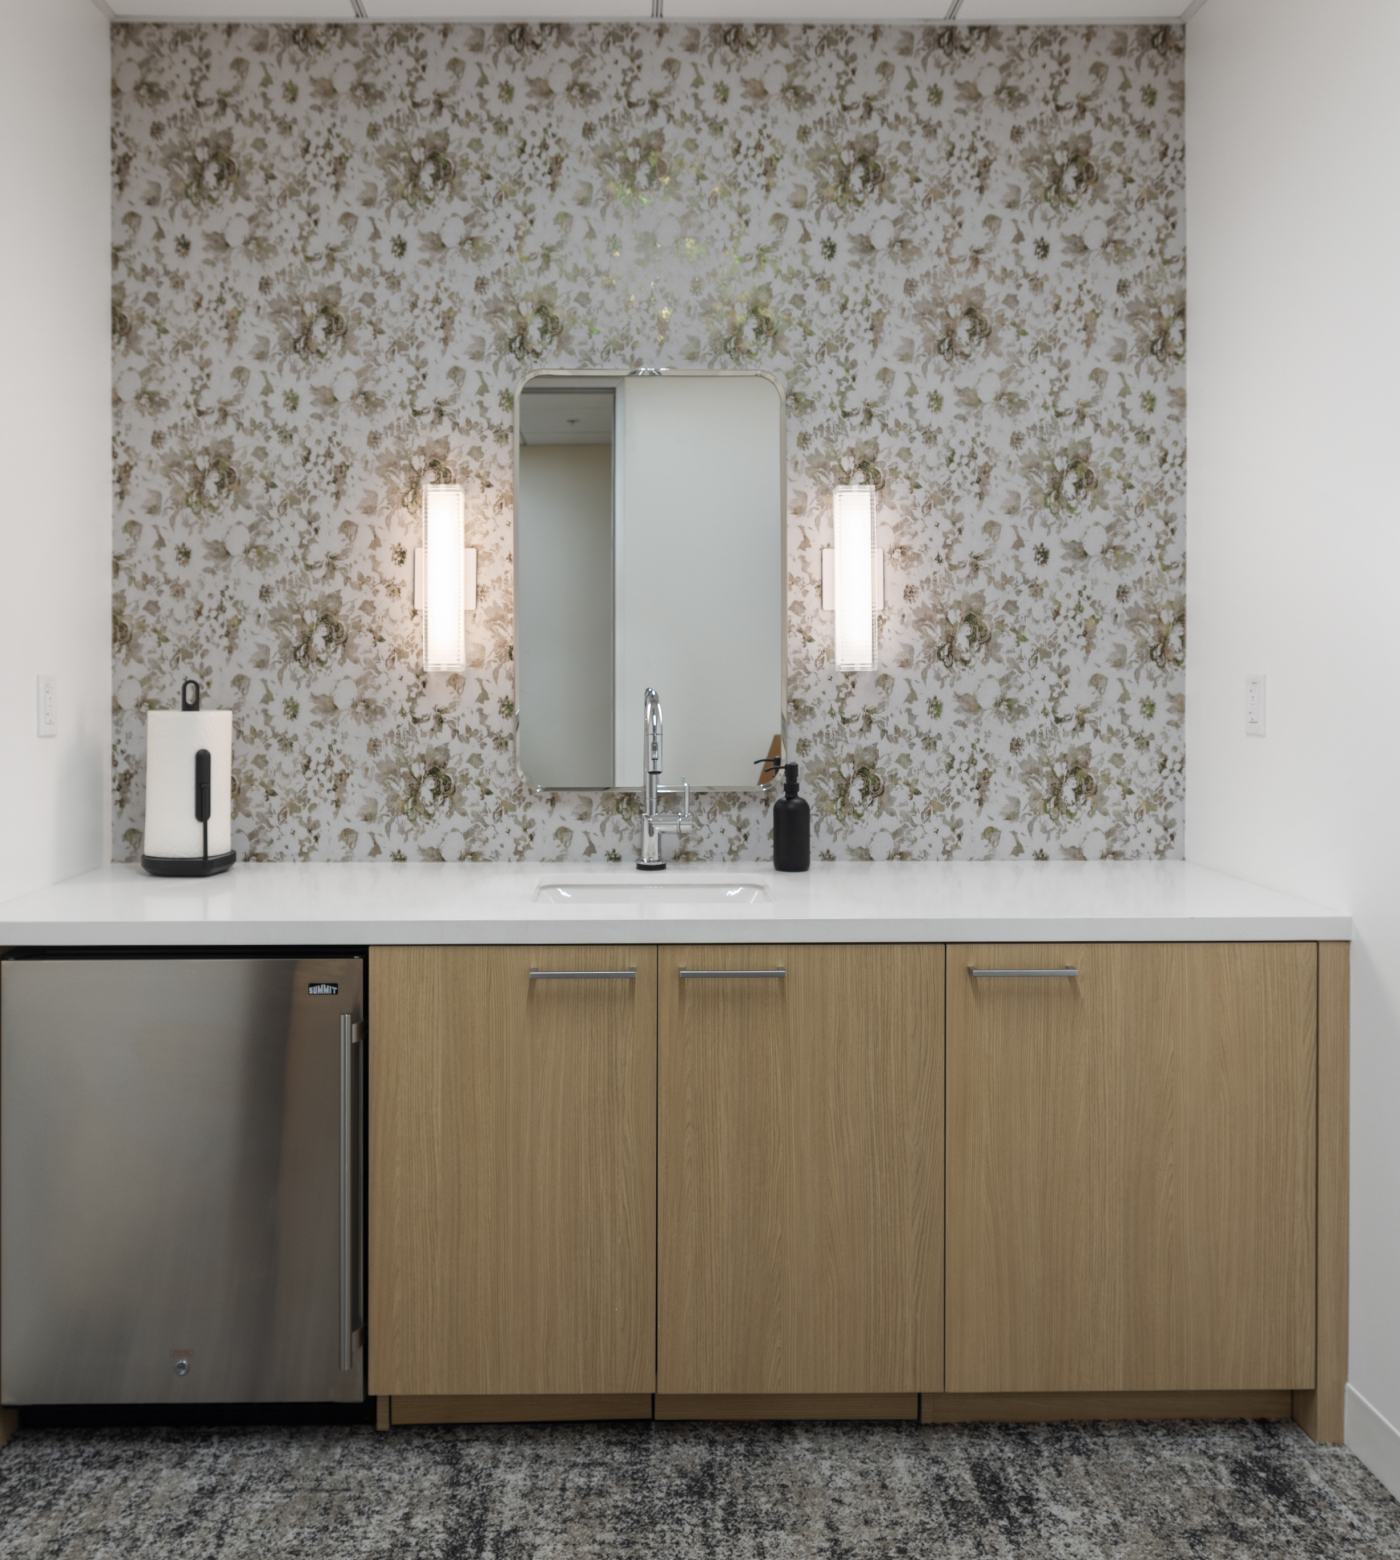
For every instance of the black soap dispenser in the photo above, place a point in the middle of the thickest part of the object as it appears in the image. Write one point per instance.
(792, 826)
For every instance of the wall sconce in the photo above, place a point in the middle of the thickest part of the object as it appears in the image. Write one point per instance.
(444, 576)
(853, 577)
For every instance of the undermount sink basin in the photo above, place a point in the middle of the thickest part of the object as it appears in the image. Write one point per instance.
(657, 888)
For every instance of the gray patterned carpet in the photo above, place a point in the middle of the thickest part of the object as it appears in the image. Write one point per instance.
(766, 1492)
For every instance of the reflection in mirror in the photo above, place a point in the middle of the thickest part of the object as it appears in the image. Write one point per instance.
(564, 584)
(649, 553)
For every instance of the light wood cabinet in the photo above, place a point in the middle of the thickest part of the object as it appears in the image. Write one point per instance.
(717, 1175)
(512, 1197)
(800, 1170)
(1132, 1187)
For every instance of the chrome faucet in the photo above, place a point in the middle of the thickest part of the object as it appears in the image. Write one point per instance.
(655, 823)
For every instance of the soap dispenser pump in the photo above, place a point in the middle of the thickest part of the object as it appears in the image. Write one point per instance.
(792, 824)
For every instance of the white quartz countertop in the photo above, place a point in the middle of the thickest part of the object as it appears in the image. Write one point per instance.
(363, 903)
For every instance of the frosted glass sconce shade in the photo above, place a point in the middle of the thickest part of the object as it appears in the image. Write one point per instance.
(444, 596)
(854, 576)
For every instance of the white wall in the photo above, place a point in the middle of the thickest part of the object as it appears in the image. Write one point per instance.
(1293, 540)
(55, 443)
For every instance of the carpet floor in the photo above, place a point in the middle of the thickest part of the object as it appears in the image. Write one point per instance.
(677, 1491)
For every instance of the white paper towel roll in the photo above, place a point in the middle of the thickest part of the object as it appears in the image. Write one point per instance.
(173, 737)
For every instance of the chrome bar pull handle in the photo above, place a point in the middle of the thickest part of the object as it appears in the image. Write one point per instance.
(1066, 972)
(583, 974)
(347, 1191)
(733, 974)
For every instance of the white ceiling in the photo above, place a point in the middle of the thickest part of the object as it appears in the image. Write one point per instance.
(549, 416)
(477, 10)
(232, 10)
(673, 10)
(1070, 10)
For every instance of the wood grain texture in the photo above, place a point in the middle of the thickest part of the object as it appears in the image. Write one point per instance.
(801, 1171)
(383, 1413)
(1321, 1411)
(1131, 1169)
(792, 1405)
(1045, 1407)
(9, 1417)
(512, 1159)
(522, 1409)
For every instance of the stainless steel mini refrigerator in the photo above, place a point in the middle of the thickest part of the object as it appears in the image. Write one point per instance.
(181, 1168)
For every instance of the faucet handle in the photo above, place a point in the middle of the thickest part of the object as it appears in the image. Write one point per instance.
(683, 791)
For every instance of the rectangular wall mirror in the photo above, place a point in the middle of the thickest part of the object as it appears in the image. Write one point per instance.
(649, 552)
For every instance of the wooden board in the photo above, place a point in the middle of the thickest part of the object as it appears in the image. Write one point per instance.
(1322, 1410)
(519, 1410)
(512, 1148)
(9, 1417)
(1131, 1169)
(801, 1164)
(1046, 1407)
(758, 1405)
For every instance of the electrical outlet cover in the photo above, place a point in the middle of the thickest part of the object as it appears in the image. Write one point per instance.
(46, 706)
(1256, 706)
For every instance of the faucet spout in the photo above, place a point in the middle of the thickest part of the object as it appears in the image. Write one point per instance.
(654, 822)
(651, 732)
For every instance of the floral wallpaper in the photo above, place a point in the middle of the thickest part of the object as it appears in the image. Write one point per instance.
(338, 250)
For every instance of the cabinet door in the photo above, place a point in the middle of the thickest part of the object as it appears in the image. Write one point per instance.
(801, 1169)
(1131, 1159)
(512, 1170)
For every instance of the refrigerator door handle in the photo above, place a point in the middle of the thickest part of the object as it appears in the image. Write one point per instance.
(348, 1037)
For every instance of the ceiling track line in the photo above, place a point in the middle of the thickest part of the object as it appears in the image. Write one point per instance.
(360, 13)
(953, 10)
(1191, 9)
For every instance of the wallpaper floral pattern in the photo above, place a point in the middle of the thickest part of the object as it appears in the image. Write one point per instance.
(338, 250)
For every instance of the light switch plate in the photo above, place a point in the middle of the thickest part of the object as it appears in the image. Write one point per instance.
(1256, 705)
(46, 705)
